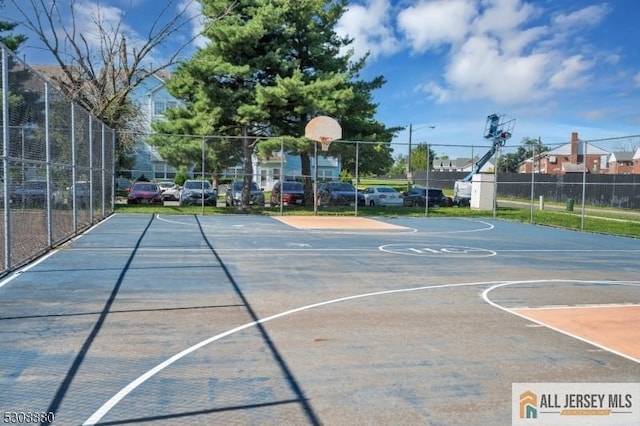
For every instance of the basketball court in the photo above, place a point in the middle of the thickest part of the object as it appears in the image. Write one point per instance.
(238, 319)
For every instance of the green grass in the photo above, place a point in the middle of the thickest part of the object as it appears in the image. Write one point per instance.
(600, 223)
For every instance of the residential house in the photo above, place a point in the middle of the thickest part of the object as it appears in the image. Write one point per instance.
(153, 100)
(636, 162)
(619, 163)
(460, 165)
(267, 171)
(568, 158)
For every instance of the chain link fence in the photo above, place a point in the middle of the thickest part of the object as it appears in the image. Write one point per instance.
(602, 173)
(57, 165)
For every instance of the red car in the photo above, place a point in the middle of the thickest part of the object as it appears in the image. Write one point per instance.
(292, 194)
(144, 193)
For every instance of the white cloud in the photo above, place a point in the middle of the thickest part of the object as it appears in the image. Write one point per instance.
(636, 80)
(480, 69)
(503, 16)
(500, 50)
(430, 24)
(370, 28)
(435, 91)
(571, 73)
(590, 15)
(193, 11)
(94, 21)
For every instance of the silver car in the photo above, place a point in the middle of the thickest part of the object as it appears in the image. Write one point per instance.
(170, 190)
(382, 196)
(234, 194)
(197, 192)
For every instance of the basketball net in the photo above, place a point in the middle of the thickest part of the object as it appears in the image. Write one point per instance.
(325, 142)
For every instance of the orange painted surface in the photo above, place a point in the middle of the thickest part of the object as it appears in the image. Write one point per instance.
(335, 222)
(614, 327)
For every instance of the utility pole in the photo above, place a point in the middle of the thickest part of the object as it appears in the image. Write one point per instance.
(408, 168)
(409, 177)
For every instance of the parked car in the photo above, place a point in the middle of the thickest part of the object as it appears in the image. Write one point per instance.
(339, 194)
(382, 196)
(170, 190)
(234, 194)
(292, 193)
(416, 197)
(33, 193)
(123, 186)
(144, 193)
(195, 192)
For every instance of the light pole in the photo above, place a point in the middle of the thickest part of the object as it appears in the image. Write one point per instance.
(411, 130)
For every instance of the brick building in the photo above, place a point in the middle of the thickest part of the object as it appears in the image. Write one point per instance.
(568, 158)
(620, 163)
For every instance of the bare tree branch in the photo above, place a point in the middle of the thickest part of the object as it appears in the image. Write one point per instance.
(100, 69)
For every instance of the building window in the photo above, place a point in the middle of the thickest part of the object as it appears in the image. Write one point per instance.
(161, 106)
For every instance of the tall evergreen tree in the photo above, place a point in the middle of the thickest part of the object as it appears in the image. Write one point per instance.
(270, 67)
(12, 41)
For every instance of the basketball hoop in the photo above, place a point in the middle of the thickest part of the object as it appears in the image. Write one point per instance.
(323, 129)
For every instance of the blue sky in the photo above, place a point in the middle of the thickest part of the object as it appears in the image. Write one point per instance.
(555, 66)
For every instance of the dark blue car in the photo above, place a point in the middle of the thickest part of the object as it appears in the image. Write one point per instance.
(339, 194)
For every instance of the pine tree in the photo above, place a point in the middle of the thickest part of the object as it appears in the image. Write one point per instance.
(270, 67)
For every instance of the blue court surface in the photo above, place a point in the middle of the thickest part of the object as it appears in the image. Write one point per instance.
(238, 319)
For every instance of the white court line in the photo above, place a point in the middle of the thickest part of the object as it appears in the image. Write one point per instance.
(581, 306)
(173, 249)
(107, 406)
(44, 257)
(407, 230)
(308, 248)
(569, 250)
(113, 401)
(485, 296)
(17, 273)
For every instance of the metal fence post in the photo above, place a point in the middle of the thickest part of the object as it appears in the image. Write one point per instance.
(103, 177)
(426, 190)
(5, 158)
(91, 171)
(113, 171)
(47, 145)
(533, 170)
(74, 177)
(357, 175)
(584, 185)
(281, 179)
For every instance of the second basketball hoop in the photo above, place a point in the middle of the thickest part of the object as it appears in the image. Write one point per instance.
(323, 129)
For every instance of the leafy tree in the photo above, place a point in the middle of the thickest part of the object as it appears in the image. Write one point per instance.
(529, 147)
(420, 155)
